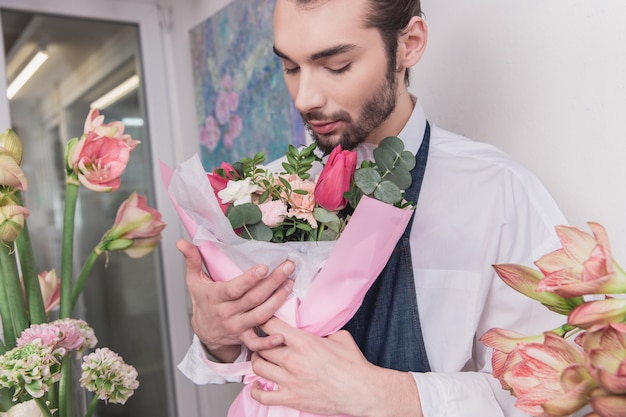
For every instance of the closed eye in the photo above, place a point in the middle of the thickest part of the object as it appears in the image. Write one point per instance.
(341, 70)
(291, 71)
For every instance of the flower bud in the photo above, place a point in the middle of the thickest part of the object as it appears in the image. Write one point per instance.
(10, 172)
(335, 179)
(11, 143)
(12, 220)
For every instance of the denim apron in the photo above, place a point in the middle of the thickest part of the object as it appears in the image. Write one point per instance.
(387, 325)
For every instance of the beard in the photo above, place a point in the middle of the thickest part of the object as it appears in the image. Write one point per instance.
(371, 115)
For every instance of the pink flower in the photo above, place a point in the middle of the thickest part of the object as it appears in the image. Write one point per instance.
(10, 142)
(222, 108)
(605, 346)
(608, 406)
(273, 212)
(61, 335)
(335, 179)
(583, 266)
(233, 101)
(227, 82)
(505, 356)
(526, 280)
(100, 156)
(219, 179)
(210, 133)
(301, 199)
(598, 312)
(50, 289)
(12, 218)
(10, 172)
(551, 378)
(137, 228)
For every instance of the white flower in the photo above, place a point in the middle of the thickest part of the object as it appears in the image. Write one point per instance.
(238, 192)
(107, 375)
(25, 409)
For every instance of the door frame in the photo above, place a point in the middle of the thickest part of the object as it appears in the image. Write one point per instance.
(152, 23)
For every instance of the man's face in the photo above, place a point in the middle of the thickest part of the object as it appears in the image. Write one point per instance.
(336, 71)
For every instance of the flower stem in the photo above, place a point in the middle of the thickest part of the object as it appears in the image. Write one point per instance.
(29, 273)
(84, 273)
(45, 411)
(67, 249)
(11, 283)
(92, 406)
(65, 388)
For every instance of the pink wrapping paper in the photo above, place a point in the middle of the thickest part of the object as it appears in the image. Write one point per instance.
(335, 294)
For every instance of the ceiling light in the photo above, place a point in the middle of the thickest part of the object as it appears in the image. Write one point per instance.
(26, 73)
(116, 94)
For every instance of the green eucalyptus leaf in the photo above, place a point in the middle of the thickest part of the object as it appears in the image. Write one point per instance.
(406, 160)
(393, 144)
(401, 177)
(244, 214)
(388, 192)
(385, 159)
(327, 218)
(239, 168)
(258, 231)
(367, 179)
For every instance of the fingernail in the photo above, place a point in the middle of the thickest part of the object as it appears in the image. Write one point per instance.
(288, 267)
(276, 341)
(261, 271)
(289, 285)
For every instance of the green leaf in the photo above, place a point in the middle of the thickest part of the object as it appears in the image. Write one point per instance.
(328, 219)
(388, 192)
(244, 214)
(258, 231)
(367, 179)
(301, 192)
(406, 160)
(401, 177)
(288, 168)
(119, 244)
(385, 159)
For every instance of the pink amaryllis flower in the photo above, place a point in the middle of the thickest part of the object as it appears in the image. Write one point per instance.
(50, 289)
(551, 379)
(607, 405)
(505, 356)
(10, 142)
(100, 156)
(12, 218)
(136, 230)
(609, 310)
(526, 280)
(582, 266)
(10, 172)
(335, 179)
(605, 348)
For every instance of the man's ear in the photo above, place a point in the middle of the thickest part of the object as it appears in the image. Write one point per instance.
(412, 42)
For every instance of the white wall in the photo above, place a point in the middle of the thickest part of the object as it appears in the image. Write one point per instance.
(544, 80)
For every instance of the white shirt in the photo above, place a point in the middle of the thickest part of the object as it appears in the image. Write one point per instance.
(477, 207)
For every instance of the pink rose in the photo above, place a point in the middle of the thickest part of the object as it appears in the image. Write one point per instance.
(210, 133)
(303, 203)
(335, 179)
(222, 108)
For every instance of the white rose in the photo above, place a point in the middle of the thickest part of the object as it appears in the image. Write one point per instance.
(238, 192)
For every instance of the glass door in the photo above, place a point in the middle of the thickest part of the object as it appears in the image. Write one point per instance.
(123, 299)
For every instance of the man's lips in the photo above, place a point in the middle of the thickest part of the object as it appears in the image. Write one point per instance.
(324, 127)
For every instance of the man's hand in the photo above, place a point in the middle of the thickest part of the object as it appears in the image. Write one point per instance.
(226, 314)
(330, 376)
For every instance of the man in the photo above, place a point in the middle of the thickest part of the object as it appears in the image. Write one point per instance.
(346, 66)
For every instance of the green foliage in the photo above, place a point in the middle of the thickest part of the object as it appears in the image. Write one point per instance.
(300, 161)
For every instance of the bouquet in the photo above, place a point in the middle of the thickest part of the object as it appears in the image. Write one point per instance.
(339, 228)
(40, 338)
(582, 362)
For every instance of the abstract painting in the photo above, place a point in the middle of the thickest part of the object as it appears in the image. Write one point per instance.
(242, 103)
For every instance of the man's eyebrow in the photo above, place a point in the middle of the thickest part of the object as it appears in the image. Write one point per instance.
(335, 50)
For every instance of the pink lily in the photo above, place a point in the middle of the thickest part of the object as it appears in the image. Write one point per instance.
(583, 266)
(551, 380)
(526, 281)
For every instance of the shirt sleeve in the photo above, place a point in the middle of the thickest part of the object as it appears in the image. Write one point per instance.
(194, 365)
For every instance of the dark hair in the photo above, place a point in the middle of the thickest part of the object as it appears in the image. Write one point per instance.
(391, 18)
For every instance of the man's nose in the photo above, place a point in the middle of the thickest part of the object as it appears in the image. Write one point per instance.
(309, 95)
